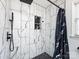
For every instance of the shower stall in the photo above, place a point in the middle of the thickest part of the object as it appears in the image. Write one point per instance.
(33, 28)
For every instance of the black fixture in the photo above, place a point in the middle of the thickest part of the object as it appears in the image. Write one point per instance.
(27, 1)
(78, 48)
(10, 36)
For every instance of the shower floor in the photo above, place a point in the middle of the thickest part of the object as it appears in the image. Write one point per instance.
(43, 56)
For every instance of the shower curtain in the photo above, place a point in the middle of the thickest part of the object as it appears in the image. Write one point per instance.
(61, 40)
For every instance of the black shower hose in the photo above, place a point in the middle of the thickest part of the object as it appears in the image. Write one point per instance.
(11, 46)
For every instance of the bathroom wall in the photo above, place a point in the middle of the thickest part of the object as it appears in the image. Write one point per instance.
(4, 50)
(73, 41)
(28, 42)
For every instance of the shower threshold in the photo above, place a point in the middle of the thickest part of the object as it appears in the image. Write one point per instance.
(43, 56)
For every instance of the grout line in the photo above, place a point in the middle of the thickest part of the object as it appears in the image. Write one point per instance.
(29, 31)
(51, 4)
(26, 13)
(39, 5)
(20, 28)
(54, 2)
(2, 4)
(4, 27)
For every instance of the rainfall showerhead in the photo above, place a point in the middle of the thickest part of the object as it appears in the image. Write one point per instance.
(27, 1)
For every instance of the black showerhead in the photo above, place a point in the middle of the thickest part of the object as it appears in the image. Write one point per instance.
(27, 1)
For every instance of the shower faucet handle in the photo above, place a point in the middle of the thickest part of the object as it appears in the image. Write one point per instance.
(8, 36)
(78, 48)
(10, 20)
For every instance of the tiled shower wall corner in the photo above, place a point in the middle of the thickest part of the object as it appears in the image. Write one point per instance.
(51, 16)
(4, 17)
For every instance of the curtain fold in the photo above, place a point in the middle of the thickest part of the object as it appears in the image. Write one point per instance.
(61, 40)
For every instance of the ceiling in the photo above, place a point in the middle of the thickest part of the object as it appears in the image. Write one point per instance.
(45, 3)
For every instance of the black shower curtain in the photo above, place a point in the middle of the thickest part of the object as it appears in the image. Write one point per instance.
(61, 40)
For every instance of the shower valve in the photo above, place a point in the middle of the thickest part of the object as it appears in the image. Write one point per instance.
(8, 36)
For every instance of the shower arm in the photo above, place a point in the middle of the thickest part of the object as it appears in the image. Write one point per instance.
(10, 36)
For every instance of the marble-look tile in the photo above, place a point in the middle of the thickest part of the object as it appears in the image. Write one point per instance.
(25, 25)
(51, 49)
(32, 37)
(33, 9)
(17, 20)
(53, 22)
(26, 56)
(38, 12)
(4, 52)
(32, 22)
(2, 15)
(25, 16)
(4, 3)
(24, 48)
(43, 24)
(31, 42)
(1, 38)
(16, 33)
(53, 10)
(25, 8)
(24, 31)
(16, 53)
(43, 13)
(33, 50)
(15, 4)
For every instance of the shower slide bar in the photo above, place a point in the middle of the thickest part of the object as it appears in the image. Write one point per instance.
(10, 36)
